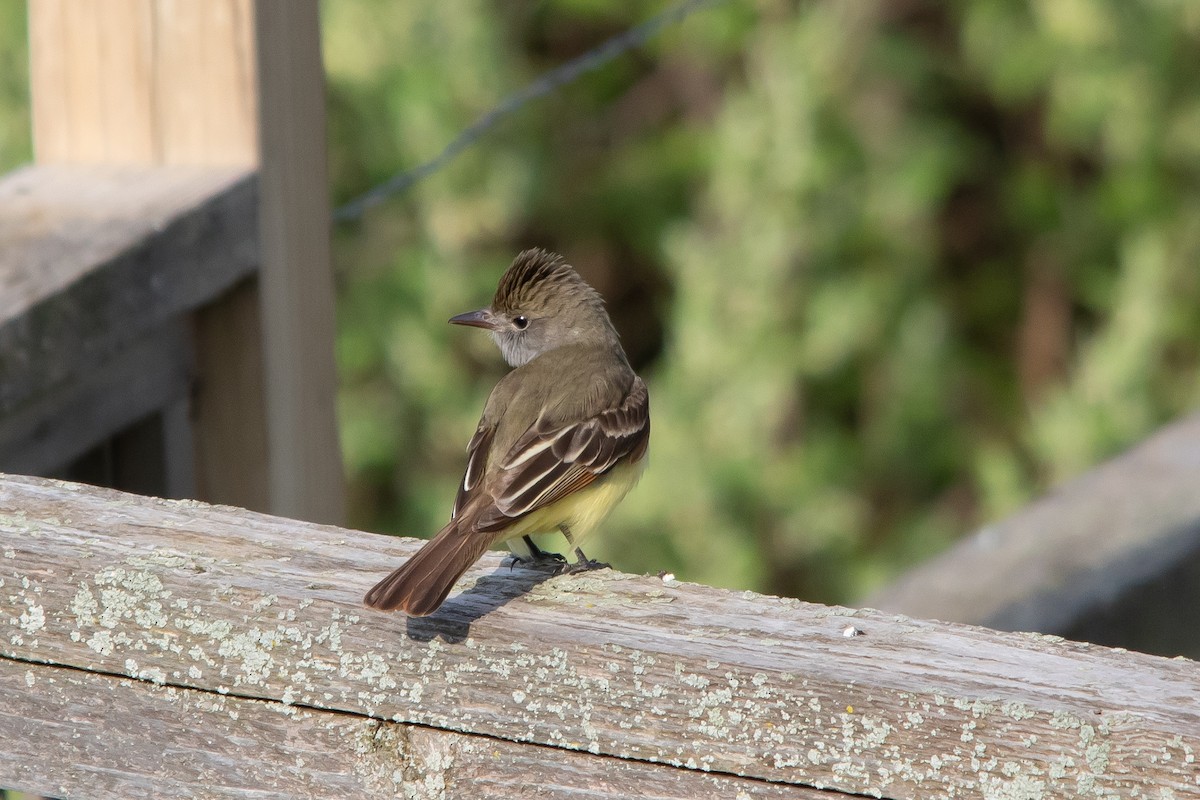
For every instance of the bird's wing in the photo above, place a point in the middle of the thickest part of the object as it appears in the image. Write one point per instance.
(477, 458)
(552, 460)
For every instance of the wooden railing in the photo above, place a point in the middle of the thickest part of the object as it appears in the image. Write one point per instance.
(166, 294)
(157, 648)
(1111, 557)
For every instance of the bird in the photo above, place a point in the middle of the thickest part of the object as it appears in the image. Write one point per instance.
(563, 437)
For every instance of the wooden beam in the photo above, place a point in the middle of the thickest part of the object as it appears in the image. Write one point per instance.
(1112, 556)
(96, 258)
(623, 669)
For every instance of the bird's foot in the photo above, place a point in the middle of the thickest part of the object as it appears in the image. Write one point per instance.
(556, 562)
(538, 558)
(583, 564)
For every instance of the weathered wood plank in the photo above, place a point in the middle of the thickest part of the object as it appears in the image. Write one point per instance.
(155, 741)
(125, 738)
(94, 258)
(1076, 561)
(218, 599)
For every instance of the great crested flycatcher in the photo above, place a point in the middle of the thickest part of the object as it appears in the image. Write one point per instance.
(562, 439)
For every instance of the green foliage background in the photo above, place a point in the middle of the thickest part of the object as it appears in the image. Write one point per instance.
(15, 145)
(890, 269)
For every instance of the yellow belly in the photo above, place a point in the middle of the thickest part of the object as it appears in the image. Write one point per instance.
(581, 511)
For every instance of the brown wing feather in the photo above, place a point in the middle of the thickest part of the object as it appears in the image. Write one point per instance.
(477, 457)
(566, 458)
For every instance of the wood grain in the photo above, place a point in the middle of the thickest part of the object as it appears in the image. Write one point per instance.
(633, 668)
(143, 82)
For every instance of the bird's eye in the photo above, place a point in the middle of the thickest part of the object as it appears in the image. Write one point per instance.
(521, 322)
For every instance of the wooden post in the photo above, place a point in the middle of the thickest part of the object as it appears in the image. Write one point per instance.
(297, 280)
(217, 83)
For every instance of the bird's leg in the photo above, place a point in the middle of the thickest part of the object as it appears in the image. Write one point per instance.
(537, 556)
(582, 563)
(542, 555)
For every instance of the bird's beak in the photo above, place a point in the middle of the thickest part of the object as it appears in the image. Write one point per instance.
(483, 318)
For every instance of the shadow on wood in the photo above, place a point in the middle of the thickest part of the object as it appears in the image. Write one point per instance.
(452, 622)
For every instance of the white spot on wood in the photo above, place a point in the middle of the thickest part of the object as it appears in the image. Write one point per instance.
(33, 618)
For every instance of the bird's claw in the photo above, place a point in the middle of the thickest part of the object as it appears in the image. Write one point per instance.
(542, 559)
(584, 565)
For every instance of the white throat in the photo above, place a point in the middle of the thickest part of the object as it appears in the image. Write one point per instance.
(515, 349)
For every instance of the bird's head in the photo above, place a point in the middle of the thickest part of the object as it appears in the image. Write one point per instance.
(541, 304)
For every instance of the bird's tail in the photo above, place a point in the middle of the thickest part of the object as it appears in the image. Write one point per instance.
(422, 583)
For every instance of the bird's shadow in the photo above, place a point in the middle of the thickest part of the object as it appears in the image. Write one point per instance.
(452, 622)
